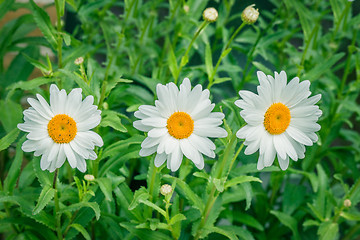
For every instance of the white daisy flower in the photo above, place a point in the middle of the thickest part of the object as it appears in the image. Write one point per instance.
(281, 119)
(180, 123)
(62, 130)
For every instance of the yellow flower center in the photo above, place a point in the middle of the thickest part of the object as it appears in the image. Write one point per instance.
(180, 125)
(277, 118)
(62, 128)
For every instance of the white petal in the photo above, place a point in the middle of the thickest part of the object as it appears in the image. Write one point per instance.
(39, 108)
(45, 105)
(29, 145)
(154, 122)
(299, 136)
(284, 162)
(160, 159)
(141, 127)
(70, 155)
(157, 132)
(73, 102)
(176, 159)
(216, 132)
(144, 152)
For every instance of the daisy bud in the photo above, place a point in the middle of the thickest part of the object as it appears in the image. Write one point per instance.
(105, 105)
(79, 60)
(186, 8)
(166, 189)
(347, 203)
(89, 177)
(250, 14)
(210, 14)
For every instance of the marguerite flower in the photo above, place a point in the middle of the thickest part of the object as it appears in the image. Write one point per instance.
(281, 119)
(62, 130)
(180, 123)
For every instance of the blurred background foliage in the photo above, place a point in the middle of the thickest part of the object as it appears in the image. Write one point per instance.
(129, 47)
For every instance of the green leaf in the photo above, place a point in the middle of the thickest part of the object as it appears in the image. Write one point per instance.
(15, 168)
(203, 175)
(229, 234)
(248, 220)
(219, 184)
(322, 68)
(288, 221)
(105, 186)
(239, 231)
(9, 139)
(76, 206)
(144, 234)
(328, 231)
(124, 197)
(67, 39)
(112, 119)
(183, 187)
(208, 60)
(335, 6)
(43, 22)
(45, 177)
(140, 194)
(46, 195)
(5, 6)
(311, 176)
(177, 218)
(37, 63)
(350, 216)
(172, 63)
(241, 179)
(80, 82)
(304, 15)
(10, 116)
(82, 230)
(221, 80)
(30, 85)
(262, 67)
(153, 206)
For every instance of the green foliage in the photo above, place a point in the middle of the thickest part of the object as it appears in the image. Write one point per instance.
(131, 46)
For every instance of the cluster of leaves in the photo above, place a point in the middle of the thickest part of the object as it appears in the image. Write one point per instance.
(146, 41)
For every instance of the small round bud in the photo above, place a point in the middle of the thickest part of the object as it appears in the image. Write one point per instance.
(89, 177)
(210, 14)
(186, 8)
(166, 189)
(250, 14)
(347, 203)
(79, 60)
(105, 105)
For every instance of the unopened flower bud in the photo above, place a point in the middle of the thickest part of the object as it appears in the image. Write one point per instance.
(89, 177)
(186, 8)
(250, 14)
(105, 105)
(347, 203)
(166, 189)
(79, 60)
(210, 14)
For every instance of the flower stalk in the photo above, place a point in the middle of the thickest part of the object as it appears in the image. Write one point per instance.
(57, 215)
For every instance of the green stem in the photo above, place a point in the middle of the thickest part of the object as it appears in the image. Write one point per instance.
(234, 158)
(185, 57)
(307, 45)
(223, 54)
(212, 196)
(346, 9)
(57, 215)
(226, 156)
(209, 204)
(347, 64)
(59, 37)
